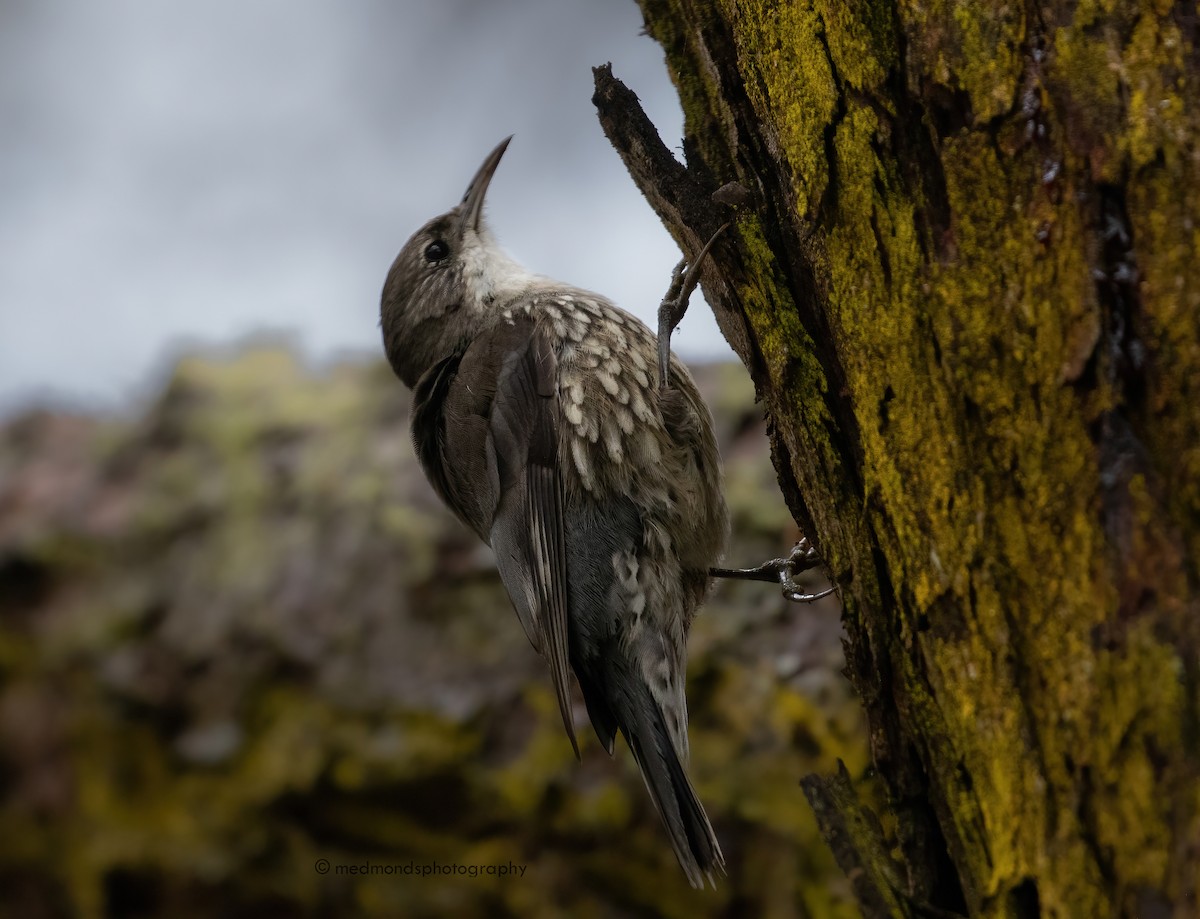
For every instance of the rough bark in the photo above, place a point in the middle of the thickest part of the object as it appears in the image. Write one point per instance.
(966, 283)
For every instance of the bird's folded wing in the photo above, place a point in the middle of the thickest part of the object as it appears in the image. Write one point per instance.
(495, 457)
(527, 533)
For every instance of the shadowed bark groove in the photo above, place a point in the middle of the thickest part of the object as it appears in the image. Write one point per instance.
(966, 284)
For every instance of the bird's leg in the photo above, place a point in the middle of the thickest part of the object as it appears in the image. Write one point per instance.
(684, 279)
(783, 571)
(669, 315)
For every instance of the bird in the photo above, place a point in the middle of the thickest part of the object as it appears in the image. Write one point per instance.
(539, 421)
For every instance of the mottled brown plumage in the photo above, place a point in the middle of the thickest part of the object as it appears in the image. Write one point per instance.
(538, 420)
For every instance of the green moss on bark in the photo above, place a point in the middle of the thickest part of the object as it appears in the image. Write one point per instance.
(1010, 298)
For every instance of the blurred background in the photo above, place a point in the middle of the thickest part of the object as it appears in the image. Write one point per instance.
(248, 663)
(185, 174)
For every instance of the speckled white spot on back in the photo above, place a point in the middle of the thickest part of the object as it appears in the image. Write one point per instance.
(583, 464)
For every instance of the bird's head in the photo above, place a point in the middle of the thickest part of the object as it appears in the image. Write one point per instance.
(442, 282)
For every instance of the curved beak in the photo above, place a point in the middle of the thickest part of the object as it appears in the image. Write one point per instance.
(472, 202)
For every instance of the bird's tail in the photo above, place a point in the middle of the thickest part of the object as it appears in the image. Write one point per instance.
(691, 834)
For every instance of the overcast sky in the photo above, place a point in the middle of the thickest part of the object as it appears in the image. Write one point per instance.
(184, 175)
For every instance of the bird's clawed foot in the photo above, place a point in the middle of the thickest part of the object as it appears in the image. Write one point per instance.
(803, 557)
(684, 279)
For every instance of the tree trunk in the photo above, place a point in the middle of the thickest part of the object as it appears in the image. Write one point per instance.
(965, 278)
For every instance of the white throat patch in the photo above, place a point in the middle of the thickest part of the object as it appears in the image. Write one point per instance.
(490, 276)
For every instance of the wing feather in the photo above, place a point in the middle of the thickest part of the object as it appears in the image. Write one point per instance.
(525, 434)
(485, 427)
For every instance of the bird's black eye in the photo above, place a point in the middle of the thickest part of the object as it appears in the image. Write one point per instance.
(436, 251)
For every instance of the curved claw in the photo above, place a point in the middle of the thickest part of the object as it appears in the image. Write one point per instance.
(803, 557)
(794, 592)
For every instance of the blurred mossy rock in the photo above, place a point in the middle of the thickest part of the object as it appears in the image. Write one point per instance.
(241, 642)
